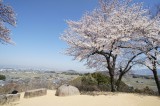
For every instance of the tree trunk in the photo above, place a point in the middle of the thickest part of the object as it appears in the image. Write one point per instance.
(111, 68)
(111, 72)
(112, 84)
(119, 81)
(156, 80)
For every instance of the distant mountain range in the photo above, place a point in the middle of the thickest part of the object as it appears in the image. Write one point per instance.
(136, 72)
(145, 72)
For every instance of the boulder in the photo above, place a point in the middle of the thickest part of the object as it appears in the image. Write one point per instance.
(35, 93)
(13, 97)
(67, 90)
(4, 99)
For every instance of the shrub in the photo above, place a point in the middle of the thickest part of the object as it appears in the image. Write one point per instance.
(97, 82)
(145, 90)
(92, 82)
(2, 77)
(85, 83)
(125, 88)
(76, 82)
(137, 90)
(103, 81)
(89, 80)
(100, 78)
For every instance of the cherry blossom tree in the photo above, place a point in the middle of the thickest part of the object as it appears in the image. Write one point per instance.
(152, 63)
(151, 55)
(150, 45)
(7, 15)
(100, 37)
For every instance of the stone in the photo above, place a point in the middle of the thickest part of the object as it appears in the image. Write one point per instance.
(3, 99)
(13, 97)
(67, 90)
(35, 93)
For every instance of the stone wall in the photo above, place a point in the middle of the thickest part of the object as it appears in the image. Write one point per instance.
(35, 93)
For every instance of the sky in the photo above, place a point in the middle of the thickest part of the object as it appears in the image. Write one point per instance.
(40, 23)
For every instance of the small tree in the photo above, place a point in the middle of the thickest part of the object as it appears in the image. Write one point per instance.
(7, 15)
(2, 77)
